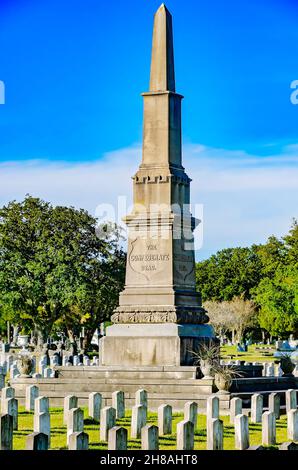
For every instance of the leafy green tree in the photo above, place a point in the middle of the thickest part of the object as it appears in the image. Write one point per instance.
(98, 292)
(278, 302)
(277, 292)
(50, 258)
(230, 272)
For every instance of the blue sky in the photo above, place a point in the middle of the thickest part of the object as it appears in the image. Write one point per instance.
(74, 71)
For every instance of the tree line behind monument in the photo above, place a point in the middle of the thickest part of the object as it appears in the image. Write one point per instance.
(57, 275)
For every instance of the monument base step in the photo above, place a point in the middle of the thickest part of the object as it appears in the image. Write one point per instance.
(165, 385)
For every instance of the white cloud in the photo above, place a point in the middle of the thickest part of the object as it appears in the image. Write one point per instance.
(246, 197)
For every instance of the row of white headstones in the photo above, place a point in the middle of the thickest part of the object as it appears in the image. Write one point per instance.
(8, 364)
(117, 436)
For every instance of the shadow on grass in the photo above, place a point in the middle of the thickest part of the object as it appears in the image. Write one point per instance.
(90, 421)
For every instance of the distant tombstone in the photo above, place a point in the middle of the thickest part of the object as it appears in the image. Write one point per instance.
(36, 376)
(47, 372)
(65, 360)
(268, 428)
(54, 361)
(138, 420)
(274, 404)
(41, 405)
(42, 364)
(142, 398)
(214, 434)
(32, 392)
(14, 372)
(235, 409)
(241, 432)
(76, 360)
(270, 370)
(6, 392)
(37, 441)
(191, 412)
(70, 401)
(149, 438)
(75, 422)
(291, 400)
(10, 407)
(212, 410)
(6, 432)
(164, 414)
(9, 360)
(2, 381)
(78, 441)
(185, 435)
(42, 424)
(94, 405)
(5, 347)
(107, 421)
(292, 425)
(117, 438)
(256, 408)
(118, 402)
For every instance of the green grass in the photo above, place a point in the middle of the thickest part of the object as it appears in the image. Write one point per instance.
(252, 355)
(58, 431)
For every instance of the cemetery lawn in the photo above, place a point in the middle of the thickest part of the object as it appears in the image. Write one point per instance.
(58, 431)
(252, 354)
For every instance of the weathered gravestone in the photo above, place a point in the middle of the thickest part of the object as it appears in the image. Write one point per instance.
(41, 405)
(6, 432)
(164, 414)
(149, 438)
(274, 404)
(291, 400)
(292, 425)
(118, 402)
(117, 438)
(70, 402)
(37, 441)
(10, 407)
(138, 420)
(235, 409)
(32, 392)
(78, 441)
(142, 398)
(256, 408)
(241, 432)
(107, 421)
(94, 405)
(191, 412)
(42, 424)
(185, 435)
(214, 434)
(268, 428)
(75, 422)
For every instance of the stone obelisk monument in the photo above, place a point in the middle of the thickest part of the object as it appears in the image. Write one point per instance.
(160, 319)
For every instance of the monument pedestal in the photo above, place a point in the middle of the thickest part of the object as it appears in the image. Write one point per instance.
(159, 344)
(160, 320)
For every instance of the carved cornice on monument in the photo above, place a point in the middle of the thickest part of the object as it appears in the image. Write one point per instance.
(160, 314)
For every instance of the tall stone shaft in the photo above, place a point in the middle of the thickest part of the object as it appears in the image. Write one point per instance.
(162, 106)
(160, 318)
